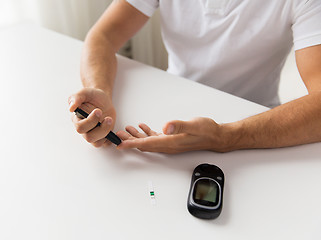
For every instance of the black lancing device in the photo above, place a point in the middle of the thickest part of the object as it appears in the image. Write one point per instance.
(110, 136)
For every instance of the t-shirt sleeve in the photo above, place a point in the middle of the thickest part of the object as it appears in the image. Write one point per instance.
(306, 25)
(147, 7)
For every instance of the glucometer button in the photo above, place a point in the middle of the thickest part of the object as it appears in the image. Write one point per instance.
(197, 174)
(204, 167)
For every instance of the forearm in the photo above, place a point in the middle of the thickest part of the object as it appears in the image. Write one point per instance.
(98, 63)
(294, 123)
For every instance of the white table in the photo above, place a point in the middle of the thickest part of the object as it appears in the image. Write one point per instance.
(53, 185)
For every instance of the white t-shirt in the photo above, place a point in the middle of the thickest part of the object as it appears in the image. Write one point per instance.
(236, 46)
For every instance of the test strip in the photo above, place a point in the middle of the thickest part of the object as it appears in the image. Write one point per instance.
(151, 193)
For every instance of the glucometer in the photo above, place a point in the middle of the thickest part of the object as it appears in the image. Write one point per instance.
(110, 136)
(205, 198)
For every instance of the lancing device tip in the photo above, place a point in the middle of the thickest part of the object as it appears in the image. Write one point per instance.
(110, 136)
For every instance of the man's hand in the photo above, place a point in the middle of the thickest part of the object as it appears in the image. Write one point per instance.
(100, 108)
(177, 136)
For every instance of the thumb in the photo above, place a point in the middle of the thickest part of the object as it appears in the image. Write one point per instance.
(77, 99)
(176, 127)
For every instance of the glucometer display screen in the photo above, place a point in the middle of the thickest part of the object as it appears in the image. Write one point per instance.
(206, 192)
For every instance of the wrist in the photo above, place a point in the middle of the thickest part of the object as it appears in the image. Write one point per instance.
(231, 137)
(96, 83)
(105, 89)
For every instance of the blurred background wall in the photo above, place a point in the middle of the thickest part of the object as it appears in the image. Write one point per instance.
(75, 17)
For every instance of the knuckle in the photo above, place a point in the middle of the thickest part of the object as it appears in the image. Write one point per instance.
(180, 127)
(195, 120)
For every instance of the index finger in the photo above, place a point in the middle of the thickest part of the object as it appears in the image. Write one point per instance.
(161, 143)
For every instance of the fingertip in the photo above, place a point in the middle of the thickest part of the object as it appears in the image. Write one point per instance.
(120, 146)
(120, 133)
(123, 135)
(144, 127)
(169, 128)
(106, 124)
(98, 113)
(129, 128)
(108, 120)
